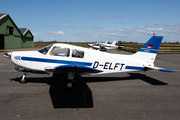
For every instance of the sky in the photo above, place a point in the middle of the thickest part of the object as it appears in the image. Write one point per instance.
(96, 20)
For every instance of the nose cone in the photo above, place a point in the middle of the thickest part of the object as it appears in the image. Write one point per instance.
(8, 55)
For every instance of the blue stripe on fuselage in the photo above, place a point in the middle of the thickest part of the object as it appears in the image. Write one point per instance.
(55, 61)
(134, 67)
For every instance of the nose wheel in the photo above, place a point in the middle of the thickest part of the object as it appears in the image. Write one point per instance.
(23, 79)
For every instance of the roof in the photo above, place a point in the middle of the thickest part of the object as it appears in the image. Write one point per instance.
(21, 30)
(2, 15)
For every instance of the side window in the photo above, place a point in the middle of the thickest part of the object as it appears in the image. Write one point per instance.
(58, 51)
(77, 53)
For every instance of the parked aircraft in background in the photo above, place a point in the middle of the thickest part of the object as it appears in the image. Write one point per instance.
(105, 46)
(73, 60)
(98, 45)
(120, 45)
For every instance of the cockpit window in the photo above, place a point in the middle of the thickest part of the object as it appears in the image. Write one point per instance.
(77, 53)
(96, 44)
(45, 49)
(58, 51)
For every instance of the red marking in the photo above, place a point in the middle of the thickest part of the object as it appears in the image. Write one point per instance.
(149, 46)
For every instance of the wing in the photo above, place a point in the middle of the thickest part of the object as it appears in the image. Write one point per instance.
(96, 47)
(158, 68)
(72, 68)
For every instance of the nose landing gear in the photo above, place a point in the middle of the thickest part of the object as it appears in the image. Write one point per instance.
(23, 78)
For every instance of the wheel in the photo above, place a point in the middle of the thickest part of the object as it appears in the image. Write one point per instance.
(23, 79)
(70, 84)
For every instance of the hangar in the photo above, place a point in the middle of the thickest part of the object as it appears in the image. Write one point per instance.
(13, 37)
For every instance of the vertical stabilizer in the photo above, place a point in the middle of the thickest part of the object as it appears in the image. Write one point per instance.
(148, 52)
(114, 43)
(106, 42)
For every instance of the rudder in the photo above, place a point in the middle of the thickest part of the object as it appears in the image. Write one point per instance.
(152, 45)
(148, 52)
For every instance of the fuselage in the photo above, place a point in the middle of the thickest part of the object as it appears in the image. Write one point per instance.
(106, 62)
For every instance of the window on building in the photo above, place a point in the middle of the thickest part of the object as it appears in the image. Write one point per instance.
(10, 30)
(77, 53)
(58, 51)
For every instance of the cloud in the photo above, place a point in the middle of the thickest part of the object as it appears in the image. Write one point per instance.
(38, 33)
(51, 38)
(58, 33)
(108, 17)
(70, 26)
(119, 22)
(154, 29)
(62, 25)
(65, 25)
(82, 27)
(107, 30)
(141, 34)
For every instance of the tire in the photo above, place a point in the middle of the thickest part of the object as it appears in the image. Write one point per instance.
(23, 79)
(70, 84)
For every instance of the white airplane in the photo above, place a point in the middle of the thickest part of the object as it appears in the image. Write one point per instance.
(104, 46)
(73, 60)
(97, 45)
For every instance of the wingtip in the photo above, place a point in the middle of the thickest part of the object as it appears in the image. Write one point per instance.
(165, 70)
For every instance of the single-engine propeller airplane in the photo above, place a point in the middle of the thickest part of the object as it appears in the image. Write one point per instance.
(73, 60)
(104, 46)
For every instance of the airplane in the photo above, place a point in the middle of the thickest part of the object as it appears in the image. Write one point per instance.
(105, 46)
(74, 60)
(120, 45)
(98, 45)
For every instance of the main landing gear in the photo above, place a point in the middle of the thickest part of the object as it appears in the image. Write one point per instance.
(70, 82)
(23, 78)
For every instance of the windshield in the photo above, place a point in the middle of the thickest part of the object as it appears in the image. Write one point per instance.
(45, 49)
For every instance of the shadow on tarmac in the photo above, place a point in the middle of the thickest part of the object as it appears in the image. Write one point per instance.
(81, 96)
(132, 76)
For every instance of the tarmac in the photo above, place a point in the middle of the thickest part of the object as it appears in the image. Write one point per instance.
(122, 96)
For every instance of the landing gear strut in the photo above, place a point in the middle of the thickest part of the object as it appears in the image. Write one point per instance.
(23, 78)
(71, 81)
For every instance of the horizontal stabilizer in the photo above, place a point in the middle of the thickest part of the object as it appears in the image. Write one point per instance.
(72, 68)
(158, 68)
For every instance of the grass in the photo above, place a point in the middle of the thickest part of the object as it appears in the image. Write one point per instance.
(2, 51)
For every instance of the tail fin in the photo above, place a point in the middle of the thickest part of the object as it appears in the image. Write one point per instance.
(148, 52)
(106, 42)
(114, 43)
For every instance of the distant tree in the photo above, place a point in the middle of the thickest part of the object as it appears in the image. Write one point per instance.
(177, 42)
